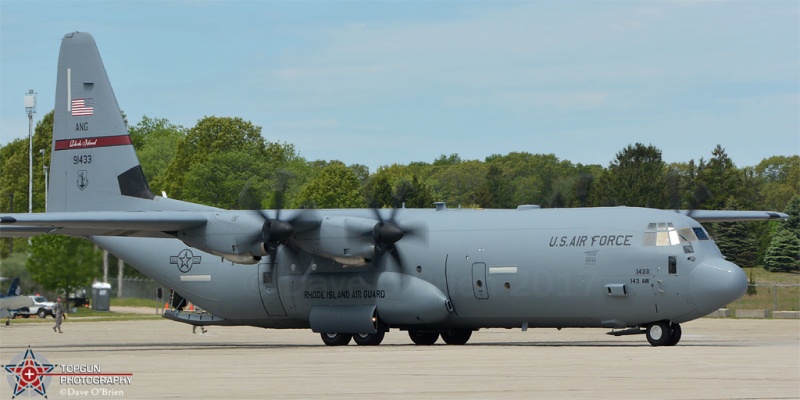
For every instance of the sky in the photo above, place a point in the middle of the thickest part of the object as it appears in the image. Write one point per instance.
(378, 83)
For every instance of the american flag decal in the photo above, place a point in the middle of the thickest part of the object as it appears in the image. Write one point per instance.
(82, 107)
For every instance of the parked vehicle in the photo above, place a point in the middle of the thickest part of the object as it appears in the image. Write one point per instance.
(41, 307)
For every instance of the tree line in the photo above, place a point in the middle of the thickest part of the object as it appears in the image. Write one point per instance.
(226, 162)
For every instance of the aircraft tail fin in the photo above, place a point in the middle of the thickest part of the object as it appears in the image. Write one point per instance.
(94, 166)
(12, 290)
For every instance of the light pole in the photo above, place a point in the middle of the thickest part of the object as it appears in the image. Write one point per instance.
(30, 109)
(46, 181)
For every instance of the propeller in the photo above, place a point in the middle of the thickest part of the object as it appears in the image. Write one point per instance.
(387, 232)
(276, 232)
(700, 193)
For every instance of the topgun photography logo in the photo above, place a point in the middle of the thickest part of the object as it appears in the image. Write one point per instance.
(29, 374)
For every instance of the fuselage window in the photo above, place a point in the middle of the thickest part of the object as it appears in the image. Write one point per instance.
(672, 265)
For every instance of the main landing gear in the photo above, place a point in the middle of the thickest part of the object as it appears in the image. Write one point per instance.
(361, 339)
(450, 336)
(421, 338)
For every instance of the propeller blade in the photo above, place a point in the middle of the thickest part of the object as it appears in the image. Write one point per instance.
(387, 232)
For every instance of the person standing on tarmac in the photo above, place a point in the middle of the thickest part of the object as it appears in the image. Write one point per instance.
(58, 313)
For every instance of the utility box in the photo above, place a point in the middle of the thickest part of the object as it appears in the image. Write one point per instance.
(101, 296)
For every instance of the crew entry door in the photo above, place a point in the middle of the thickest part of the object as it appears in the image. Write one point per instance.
(479, 286)
(268, 285)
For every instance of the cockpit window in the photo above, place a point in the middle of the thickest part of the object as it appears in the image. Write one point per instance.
(665, 234)
(687, 235)
(701, 233)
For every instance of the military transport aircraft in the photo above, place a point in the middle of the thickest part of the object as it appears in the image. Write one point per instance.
(354, 274)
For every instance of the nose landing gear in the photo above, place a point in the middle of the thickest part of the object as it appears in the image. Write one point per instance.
(663, 333)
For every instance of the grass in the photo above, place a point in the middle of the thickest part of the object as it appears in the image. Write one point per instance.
(84, 314)
(768, 297)
(89, 315)
(132, 302)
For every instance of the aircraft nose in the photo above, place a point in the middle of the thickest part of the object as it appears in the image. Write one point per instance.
(715, 283)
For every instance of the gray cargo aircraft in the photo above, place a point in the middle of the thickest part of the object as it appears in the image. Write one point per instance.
(353, 274)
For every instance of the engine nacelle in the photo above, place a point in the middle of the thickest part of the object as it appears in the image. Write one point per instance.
(347, 240)
(234, 236)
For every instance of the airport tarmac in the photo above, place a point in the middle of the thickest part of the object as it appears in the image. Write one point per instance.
(716, 359)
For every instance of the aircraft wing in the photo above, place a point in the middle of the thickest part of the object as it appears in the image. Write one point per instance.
(731, 215)
(106, 223)
(15, 302)
(22, 231)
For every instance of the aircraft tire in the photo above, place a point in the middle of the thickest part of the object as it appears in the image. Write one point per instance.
(423, 338)
(336, 339)
(369, 339)
(659, 333)
(676, 335)
(456, 336)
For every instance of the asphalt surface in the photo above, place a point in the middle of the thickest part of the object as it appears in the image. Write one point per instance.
(716, 359)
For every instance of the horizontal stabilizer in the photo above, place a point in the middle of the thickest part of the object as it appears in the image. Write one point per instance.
(104, 223)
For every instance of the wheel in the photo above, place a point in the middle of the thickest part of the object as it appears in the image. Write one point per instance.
(336, 339)
(26, 316)
(423, 338)
(676, 335)
(456, 336)
(42, 313)
(659, 333)
(369, 339)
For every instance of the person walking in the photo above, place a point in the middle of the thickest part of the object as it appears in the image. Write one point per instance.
(58, 313)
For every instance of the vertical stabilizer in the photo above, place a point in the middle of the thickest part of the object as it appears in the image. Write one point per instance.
(94, 165)
(13, 290)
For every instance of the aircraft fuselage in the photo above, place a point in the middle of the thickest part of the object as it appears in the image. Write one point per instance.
(475, 269)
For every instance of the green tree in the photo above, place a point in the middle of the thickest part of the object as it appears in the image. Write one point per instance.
(793, 210)
(211, 135)
(783, 253)
(735, 240)
(781, 176)
(336, 186)
(14, 176)
(636, 177)
(63, 264)
(13, 266)
(720, 178)
(156, 142)
(443, 160)
(494, 193)
(229, 180)
(456, 183)
(583, 183)
(413, 194)
(379, 191)
(524, 178)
